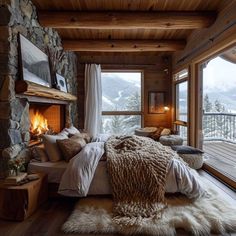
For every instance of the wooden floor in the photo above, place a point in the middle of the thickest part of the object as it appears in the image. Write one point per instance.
(221, 156)
(48, 220)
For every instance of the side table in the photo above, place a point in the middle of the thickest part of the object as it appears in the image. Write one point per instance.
(19, 202)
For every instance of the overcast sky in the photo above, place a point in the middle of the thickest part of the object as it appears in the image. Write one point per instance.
(219, 75)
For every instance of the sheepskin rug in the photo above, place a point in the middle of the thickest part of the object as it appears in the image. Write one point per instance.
(211, 214)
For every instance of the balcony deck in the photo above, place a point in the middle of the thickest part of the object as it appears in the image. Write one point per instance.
(221, 156)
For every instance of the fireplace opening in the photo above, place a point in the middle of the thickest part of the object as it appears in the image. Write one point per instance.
(46, 119)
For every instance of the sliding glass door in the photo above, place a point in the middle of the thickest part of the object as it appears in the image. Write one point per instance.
(219, 114)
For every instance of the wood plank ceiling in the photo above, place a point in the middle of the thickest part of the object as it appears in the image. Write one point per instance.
(126, 25)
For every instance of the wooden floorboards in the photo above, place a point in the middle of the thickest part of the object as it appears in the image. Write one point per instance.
(222, 157)
(47, 221)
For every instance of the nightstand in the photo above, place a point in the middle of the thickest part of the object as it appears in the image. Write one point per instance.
(19, 202)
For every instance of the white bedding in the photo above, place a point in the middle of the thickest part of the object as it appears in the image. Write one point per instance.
(86, 175)
(100, 184)
(79, 178)
(54, 170)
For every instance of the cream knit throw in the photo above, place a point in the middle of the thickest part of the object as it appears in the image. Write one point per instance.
(137, 167)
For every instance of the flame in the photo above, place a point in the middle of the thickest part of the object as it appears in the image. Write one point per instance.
(39, 124)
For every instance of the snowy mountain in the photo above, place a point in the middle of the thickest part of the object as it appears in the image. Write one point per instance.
(116, 92)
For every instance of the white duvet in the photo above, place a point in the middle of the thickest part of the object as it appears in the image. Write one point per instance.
(79, 174)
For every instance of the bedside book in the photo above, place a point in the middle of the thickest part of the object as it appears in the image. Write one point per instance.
(15, 179)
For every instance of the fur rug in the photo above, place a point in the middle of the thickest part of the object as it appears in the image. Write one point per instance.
(211, 214)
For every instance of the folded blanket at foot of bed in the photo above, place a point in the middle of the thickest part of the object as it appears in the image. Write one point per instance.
(138, 168)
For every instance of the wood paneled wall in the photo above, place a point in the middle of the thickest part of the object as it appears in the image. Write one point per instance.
(156, 69)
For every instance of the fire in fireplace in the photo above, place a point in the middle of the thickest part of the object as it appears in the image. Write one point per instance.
(38, 125)
(45, 119)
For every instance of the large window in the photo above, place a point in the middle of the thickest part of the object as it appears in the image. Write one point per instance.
(219, 115)
(121, 102)
(181, 103)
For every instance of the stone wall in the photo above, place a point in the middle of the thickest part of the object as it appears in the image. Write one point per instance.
(20, 16)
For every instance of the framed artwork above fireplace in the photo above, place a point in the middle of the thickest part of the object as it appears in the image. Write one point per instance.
(34, 64)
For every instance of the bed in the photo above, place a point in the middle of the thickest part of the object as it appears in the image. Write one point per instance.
(99, 185)
(179, 177)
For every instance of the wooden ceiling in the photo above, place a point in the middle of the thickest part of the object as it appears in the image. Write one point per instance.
(129, 5)
(127, 25)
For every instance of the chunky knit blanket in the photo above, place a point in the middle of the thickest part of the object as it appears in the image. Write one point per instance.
(137, 167)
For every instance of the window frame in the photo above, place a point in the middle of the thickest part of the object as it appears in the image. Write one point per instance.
(177, 122)
(128, 113)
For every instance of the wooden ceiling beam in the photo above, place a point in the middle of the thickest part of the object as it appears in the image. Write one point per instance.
(126, 20)
(123, 45)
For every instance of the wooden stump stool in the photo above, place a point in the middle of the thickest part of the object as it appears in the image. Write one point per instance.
(19, 202)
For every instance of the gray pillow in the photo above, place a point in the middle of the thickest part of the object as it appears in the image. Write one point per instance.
(51, 148)
(186, 149)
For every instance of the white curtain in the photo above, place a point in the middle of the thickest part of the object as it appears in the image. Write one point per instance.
(93, 99)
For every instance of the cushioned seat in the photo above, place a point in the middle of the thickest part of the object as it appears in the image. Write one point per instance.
(147, 131)
(170, 140)
(193, 156)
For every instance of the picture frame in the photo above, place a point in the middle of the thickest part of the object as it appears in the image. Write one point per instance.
(156, 102)
(61, 83)
(34, 63)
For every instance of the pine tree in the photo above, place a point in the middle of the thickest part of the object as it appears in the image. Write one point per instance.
(220, 120)
(219, 107)
(207, 105)
(133, 104)
(117, 125)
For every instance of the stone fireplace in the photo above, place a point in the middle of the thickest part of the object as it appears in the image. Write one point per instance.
(20, 16)
(45, 119)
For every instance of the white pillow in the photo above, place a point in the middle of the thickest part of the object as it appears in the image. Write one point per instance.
(51, 148)
(71, 130)
(165, 132)
(63, 132)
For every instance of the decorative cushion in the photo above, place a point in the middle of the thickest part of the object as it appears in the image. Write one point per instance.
(155, 136)
(193, 156)
(38, 153)
(195, 161)
(70, 147)
(50, 144)
(71, 130)
(165, 132)
(85, 136)
(170, 140)
(186, 150)
(147, 131)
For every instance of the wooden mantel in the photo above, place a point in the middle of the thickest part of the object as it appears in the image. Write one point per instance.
(32, 89)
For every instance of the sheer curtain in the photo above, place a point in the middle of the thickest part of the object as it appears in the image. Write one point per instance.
(93, 98)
